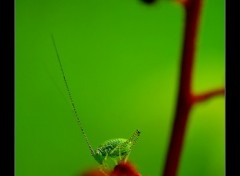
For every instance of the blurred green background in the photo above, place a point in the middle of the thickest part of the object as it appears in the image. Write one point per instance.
(121, 60)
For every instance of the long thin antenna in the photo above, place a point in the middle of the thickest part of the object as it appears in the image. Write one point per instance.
(71, 99)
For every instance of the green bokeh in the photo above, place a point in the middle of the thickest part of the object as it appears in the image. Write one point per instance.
(121, 60)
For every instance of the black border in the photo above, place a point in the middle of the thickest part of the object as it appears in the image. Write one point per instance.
(232, 89)
(7, 86)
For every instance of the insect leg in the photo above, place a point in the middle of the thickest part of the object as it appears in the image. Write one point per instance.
(118, 147)
(132, 139)
(105, 165)
(119, 150)
(102, 170)
(126, 157)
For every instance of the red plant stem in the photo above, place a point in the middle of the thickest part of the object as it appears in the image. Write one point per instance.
(208, 95)
(185, 99)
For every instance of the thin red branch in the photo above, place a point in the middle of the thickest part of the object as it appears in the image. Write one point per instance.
(184, 103)
(207, 95)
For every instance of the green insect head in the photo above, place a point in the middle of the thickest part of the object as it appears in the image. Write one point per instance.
(98, 156)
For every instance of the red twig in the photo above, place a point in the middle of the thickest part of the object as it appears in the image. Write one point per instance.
(184, 102)
(185, 96)
(206, 96)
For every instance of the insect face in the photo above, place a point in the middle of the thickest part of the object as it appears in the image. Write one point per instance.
(98, 156)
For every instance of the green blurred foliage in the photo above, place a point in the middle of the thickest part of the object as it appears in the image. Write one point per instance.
(121, 60)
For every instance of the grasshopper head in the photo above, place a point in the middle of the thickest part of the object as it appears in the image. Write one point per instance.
(98, 156)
